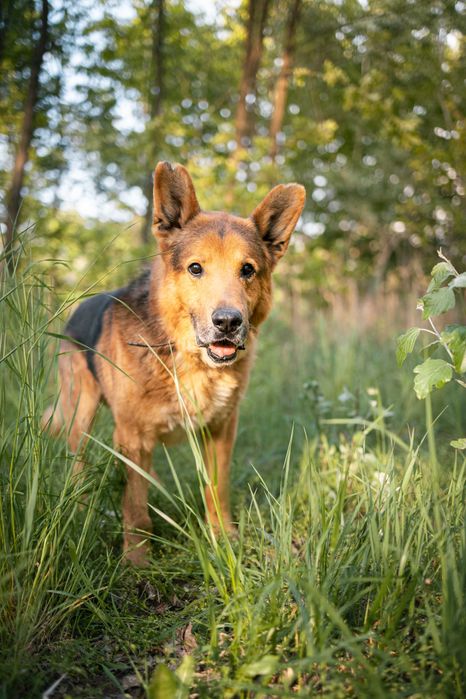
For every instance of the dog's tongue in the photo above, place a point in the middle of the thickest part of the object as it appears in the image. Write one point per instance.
(222, 350)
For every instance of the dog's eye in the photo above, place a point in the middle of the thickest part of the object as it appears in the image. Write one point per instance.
(195, 269)
(247, 271)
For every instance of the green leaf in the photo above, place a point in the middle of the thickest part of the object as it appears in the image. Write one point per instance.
(441, 272)
(454, 336)
(264, 666)
(458, 282)
(438, 302)
(185, 671)
(405, 344)
(433, 373)
(165, 684)
(429, 349)
(459, 443)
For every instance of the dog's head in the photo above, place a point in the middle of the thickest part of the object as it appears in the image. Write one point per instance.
(217, 267)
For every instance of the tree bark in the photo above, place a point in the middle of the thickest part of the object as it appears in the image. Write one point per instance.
(244, 124)
(156, 93)
(281, 87)
(27, 130)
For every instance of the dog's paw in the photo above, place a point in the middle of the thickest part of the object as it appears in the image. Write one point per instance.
(139, 556)
(230, 529)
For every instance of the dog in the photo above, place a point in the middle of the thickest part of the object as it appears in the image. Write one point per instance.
(190, 322)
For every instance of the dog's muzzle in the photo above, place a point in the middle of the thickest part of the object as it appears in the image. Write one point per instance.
(226, 337)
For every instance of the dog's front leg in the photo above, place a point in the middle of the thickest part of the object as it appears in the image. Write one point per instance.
(218, 450)
(136, 548)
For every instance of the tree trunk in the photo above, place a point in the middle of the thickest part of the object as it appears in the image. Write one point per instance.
(244, 125)
(27, 130)
(155, 102)
(281, 88)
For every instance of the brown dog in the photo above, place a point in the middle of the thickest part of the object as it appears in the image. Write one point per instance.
(200, 307)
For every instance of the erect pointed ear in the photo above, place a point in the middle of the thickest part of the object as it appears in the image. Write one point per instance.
(175, 201)
(277, 215)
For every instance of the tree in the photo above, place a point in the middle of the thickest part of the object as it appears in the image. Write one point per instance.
(27, 129)
(155, 100)
(257, 17)
(281, 87)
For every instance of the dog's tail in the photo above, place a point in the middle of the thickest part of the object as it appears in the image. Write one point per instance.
(52, 421)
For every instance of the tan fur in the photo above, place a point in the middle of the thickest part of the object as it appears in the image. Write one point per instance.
(80, 395)
(138, 387)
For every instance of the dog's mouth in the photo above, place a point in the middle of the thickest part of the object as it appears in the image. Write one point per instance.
(223, 351)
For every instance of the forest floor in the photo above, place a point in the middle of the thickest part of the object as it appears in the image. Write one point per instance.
(348, 574)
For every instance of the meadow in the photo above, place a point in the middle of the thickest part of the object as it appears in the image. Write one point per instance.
(348, 576)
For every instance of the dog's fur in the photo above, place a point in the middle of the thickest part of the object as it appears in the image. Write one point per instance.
(202, 324)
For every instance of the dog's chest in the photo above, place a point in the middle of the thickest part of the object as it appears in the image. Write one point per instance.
(217, 397)
(201, 398)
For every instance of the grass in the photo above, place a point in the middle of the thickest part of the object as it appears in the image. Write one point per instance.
(348, 577)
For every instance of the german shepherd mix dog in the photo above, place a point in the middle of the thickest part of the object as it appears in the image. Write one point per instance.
(200, 307)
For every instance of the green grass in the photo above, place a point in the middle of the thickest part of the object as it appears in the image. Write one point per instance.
(348, 577)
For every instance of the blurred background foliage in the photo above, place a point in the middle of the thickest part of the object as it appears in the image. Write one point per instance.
(362, 101)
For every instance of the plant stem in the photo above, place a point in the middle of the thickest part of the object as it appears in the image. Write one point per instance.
(431, 438)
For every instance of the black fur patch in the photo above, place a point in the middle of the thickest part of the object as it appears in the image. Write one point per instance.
(86, 324)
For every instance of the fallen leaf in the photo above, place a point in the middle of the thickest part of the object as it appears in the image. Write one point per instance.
(186, 638)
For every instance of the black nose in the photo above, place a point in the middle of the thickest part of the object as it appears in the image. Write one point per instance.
(227, 319)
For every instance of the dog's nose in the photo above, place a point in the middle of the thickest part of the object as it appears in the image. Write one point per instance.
(227, 319)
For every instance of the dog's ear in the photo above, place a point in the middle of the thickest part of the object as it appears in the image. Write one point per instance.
(277, 215)
(175, 201)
